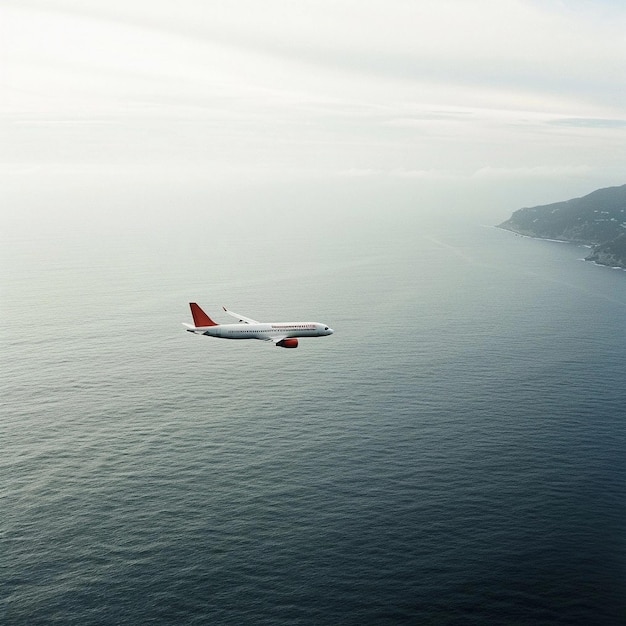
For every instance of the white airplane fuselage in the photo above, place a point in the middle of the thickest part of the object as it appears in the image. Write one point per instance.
(265, 331)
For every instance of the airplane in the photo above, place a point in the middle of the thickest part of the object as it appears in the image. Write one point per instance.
(283, 334)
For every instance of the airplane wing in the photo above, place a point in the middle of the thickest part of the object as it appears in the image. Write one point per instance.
(241, 318)
(277, 339)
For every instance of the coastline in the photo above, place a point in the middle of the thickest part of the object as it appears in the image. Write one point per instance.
(585, 244)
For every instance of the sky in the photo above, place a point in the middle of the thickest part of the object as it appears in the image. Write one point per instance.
(426, 90)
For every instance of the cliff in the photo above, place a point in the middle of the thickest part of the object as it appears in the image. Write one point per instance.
(598, 218)
(612, 253)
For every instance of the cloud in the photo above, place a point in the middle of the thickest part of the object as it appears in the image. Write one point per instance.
(586, 122)
(563, 171)
(487, 173)
(403, 89)
(506, 45)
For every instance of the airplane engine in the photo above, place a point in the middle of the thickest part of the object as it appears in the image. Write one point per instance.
(290, 342)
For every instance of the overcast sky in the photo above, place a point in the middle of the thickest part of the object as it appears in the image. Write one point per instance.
(431, 89)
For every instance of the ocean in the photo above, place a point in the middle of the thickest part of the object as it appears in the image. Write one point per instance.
(453, 454)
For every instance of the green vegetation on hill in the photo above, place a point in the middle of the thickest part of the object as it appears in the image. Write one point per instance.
(598, 218)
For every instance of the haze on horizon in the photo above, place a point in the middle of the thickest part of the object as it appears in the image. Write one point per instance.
(508, 91)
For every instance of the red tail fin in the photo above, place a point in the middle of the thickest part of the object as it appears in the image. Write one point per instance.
(200, 318)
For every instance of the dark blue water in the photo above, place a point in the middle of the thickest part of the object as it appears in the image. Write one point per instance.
(454, 454)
